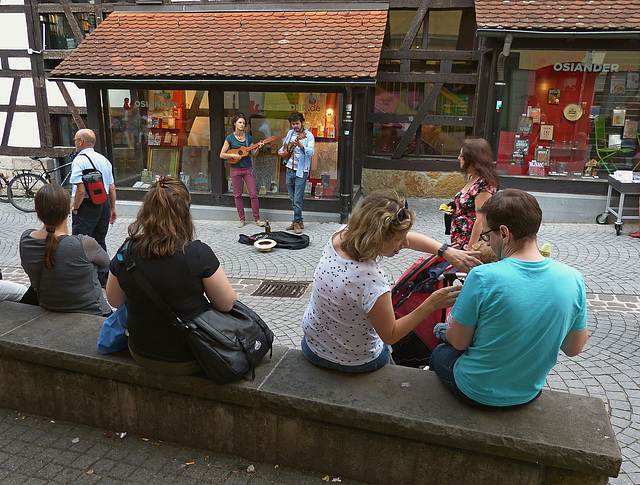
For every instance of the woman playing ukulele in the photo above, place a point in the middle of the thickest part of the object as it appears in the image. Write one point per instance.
(242, 168)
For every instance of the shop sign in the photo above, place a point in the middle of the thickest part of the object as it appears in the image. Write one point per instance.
(582, 67)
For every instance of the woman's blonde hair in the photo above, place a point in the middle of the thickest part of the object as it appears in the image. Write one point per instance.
(379, 218)
(164, 220)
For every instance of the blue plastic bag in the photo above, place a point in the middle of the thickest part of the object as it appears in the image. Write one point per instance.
(112, 334)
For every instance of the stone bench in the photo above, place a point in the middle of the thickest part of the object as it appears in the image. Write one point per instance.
(395, 425)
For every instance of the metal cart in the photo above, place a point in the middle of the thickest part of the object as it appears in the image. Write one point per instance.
(623, 188)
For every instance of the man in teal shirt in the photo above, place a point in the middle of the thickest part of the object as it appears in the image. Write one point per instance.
(513, 316)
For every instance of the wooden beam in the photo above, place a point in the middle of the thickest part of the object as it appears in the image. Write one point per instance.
(74, 7)
(446, 120)
(71, 105)
(37, 73)
(435, 77)
(15, 74)
(64, 110)
(13, 97)
(4, 108)
(51, 152)
(413, 163)
(442, 4)
(430, 55)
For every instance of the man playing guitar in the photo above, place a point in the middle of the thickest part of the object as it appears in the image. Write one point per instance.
(297, 149)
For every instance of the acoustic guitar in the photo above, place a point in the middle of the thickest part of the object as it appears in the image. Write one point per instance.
(291, 146)
(244, 151)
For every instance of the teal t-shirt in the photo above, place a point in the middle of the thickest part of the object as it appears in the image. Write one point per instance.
(522, 312)
(234, 143)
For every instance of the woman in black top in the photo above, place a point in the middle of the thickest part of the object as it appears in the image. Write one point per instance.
(180, 269)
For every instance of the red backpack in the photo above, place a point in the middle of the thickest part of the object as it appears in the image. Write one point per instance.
(92, 179)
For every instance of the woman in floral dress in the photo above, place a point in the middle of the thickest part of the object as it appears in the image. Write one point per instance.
(476, 162)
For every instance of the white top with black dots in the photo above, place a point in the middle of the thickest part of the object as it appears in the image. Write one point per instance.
(336, 323)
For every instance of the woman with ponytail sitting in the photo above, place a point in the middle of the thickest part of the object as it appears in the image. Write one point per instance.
(62, 268)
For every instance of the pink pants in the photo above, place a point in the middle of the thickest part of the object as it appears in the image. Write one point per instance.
(246, 173)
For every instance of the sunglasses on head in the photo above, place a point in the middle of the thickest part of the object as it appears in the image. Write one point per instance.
(403, 213)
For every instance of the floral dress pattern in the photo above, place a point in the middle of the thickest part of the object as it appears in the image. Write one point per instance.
(465, 214)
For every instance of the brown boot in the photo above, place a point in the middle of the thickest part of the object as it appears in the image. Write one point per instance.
(296, 227)
(290, 227)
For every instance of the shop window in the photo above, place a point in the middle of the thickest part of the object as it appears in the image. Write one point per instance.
(442, 33)
(267, 115)
(444, 28)
(397, 25)
(430, 138)
(570, 113)
(58, 33)
(160, 132)
(398, 97)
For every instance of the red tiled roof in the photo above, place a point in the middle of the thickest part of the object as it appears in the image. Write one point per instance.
(284, 45)
(558, 15)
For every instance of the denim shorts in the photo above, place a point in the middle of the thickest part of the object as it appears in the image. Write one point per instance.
(378, 362)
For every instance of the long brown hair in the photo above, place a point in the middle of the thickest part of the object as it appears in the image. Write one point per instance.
(52, 206)
(477, 154)
(164, 220)
(374, 223)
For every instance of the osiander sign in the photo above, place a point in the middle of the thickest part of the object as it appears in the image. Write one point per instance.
(582, 67)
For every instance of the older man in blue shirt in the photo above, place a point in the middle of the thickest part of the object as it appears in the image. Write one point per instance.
(88, 218)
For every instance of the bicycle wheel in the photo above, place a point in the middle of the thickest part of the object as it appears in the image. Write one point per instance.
(23, 188)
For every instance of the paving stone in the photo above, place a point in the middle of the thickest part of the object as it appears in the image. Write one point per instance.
(608, 368)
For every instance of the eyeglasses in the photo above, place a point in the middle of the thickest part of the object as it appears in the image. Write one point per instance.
(403, 213)
(485, 235)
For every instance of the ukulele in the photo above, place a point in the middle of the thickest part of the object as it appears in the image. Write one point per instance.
(291, 146)
(244, 151)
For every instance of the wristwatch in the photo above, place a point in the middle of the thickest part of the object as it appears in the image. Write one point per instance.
(442, 250)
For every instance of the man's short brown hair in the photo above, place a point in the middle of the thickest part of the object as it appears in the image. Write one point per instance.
(516, 209)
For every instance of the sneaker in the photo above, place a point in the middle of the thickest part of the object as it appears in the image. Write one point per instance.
(635, 234)
(296, 228)
(260, 223)
(290, 227)
(241, 224)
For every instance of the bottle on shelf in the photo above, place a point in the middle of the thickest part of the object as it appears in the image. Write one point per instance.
(267, 226)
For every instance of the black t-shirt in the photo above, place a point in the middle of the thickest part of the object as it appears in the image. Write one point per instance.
(178, 281)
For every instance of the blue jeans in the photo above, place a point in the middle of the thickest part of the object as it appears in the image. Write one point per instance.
(443, 358)
(296, 186)
(381, 360)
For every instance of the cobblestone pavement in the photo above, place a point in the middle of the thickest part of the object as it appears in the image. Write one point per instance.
(607, 369)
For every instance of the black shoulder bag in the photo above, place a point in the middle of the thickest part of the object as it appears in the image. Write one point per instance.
(226, 345)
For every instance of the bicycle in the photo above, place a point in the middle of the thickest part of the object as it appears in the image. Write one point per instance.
(23, 186)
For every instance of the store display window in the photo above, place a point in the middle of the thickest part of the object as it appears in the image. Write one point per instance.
(267, 115)
(58, 33)
(431, 139)
(160, 132)
(570, 113)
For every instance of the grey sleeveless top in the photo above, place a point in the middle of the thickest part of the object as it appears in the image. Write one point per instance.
(72, 285)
